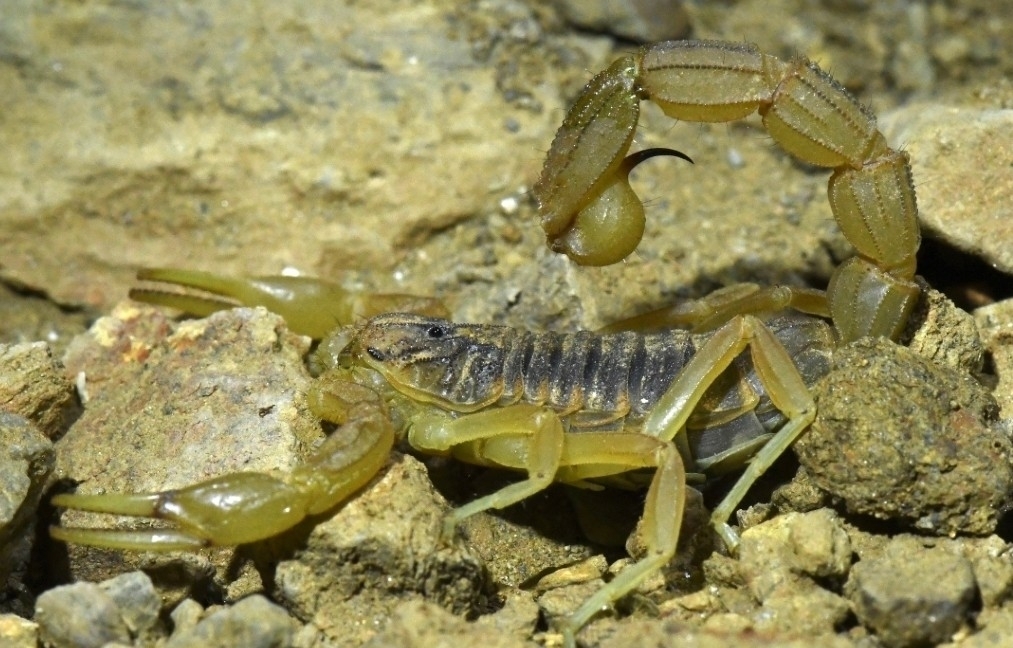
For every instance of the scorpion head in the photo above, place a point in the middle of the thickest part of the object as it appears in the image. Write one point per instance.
(455, 366)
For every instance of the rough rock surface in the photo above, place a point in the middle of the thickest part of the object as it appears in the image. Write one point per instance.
(386, 543)
(899, 437)
(254, 622)
(18, 632)
(82, 615)
(33, 385)
(36, 403)
(974, 142)
(912, 598)
(995, 322)
(26, 460)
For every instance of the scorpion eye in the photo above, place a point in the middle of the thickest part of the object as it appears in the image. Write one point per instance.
(375, 354)
(436, 332)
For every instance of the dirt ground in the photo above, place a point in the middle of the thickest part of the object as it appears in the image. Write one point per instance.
(392, 146)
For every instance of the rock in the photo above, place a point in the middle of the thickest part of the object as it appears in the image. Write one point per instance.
(783, 559)
(186, 615)
(813, 545)
(902, 438)
(994, 628)
(121, 609)
(643, 21)
(381, 548)
(169, 405)
(253, 622)
(138, 602)
(810, 611)
(27, 316)
(912, 597)
(946, 335)
(16, 632)
(418, 624)
(311, 115)
(82, 615)
(33, 385)
(518, 617)
(992, 565)
(36, 404)
(26, 461)
(995, 322)
(666, 633)
(966, 151)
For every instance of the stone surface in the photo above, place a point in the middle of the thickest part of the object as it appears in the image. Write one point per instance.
(808, 545)
(898, 437)
(253, 622)
(418, 624)
(381, 549)
(17, 632)
(911, 597)
(138, 602)
(995, 322)
(273, 130)
(644, 21)
(945, 334)
(33, 385)
(785, 561)
(26, 461)
(81, 615)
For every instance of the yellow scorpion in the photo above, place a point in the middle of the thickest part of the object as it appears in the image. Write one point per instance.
(581, 408)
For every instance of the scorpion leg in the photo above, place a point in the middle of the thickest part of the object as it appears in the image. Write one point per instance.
(720, 306)
(522, 437)
(310, 306)
(805, 111)
(531, 439)
(247, 507)
(780, 377)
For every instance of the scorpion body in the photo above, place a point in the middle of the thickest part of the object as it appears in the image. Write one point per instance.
(592, 381)
(730, 391)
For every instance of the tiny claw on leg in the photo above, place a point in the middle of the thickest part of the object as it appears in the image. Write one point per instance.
(448, 530)
(728, 535)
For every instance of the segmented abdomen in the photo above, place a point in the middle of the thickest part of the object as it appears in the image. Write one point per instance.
(603, 377)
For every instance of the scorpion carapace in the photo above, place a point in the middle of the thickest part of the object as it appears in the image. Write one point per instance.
(731, 390)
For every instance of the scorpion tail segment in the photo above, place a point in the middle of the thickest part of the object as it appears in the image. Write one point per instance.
(866, 301)
(609, 227)
(873, 294)
(589, 146)
(707, 81)
(582, 190)
(229, 510)
(310, 306)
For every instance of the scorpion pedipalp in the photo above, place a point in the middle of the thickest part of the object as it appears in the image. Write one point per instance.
(310, 306)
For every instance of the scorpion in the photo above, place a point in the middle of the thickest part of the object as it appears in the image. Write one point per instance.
(700, 388)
